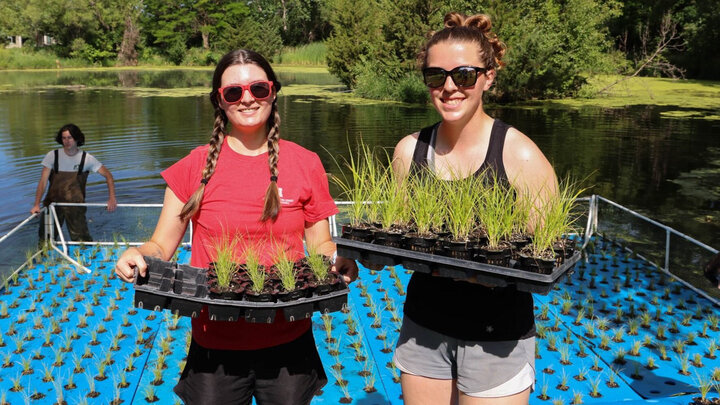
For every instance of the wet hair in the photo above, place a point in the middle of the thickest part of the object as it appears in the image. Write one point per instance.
(74, 131)
(476, 29)
(272, 196)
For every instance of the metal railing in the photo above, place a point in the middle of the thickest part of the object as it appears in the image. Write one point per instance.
(669, 250)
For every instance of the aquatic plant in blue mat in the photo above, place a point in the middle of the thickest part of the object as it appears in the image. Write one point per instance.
(615, 330)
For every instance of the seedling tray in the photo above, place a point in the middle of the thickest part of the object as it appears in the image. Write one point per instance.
(443, 266)
(183, 290)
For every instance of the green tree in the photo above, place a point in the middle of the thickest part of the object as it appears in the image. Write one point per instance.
(356, 34)
(553, 46)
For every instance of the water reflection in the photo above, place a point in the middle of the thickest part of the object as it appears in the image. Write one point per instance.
(152, 78)
(664, 167)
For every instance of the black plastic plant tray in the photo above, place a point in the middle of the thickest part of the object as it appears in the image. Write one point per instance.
(444, 266)
(183, 290)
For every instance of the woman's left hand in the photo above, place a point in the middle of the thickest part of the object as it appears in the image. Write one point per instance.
(347, 268)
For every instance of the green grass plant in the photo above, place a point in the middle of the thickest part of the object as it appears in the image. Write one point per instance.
(312, 54)
(375, 176)
(226, 259)
(705, 385)
(684, 361)
(564, 351)
(285, 267)
(424, 191)
(555, 218)
(16, 383)
(352, 186)
(342, 383)
(255, 273)
(495, 211)
(58, 388)
(31, 58)
(26, 364)
(522, 212)
(318, 265)
(7, 360)
(394, 197)
(711, 347)
(461, 199)
(149, 393)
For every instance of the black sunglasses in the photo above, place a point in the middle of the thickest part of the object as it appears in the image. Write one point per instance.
(462, 76)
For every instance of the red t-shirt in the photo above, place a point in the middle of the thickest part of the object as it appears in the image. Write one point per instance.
(232, 204)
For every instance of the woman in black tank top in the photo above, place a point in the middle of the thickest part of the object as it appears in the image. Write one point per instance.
(460, 62)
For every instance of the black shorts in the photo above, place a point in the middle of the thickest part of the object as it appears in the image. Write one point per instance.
(287, 374)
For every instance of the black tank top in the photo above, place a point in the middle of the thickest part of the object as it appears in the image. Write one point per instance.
(460, 309)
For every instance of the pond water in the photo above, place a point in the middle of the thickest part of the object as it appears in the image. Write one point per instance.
(139, 122)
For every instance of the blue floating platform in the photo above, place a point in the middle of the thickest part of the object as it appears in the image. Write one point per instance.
(615, 330)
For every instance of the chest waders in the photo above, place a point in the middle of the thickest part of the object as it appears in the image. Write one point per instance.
(69, 187)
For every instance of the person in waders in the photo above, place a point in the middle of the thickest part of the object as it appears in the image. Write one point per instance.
(67, 170)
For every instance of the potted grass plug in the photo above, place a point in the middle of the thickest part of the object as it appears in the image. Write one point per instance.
(325, 280)
(521, 234)
(495, 212)
(461, 197)
(284, 266)
(257, 289)
(554, 221)
(564, 214)
(355, 189)
(222, 269)
(424, 192)
(393, 216)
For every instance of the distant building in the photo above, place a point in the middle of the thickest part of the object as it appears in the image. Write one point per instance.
(14, 42)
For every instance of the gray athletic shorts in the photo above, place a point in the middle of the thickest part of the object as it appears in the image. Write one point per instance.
(477, 366)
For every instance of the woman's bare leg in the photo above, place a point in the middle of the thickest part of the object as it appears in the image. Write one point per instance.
(419, 390)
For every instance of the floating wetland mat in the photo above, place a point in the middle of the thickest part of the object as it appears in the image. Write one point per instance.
(616, 329)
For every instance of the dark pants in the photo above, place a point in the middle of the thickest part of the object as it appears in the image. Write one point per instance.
(76, 223)
(288, 374)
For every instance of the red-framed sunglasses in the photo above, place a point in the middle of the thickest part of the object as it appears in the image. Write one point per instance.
(233, 93)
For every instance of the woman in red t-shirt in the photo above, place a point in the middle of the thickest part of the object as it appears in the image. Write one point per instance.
(246, 183)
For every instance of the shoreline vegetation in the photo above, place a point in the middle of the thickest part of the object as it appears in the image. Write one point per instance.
(697, 99)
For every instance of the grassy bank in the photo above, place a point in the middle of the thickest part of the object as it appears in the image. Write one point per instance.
(30, 58)
(306, 55)
(684, 98)
(26, 58)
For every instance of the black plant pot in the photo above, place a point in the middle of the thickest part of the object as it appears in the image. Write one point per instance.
(292, 295)
(390, 239)
(536, 264)
(418, 243)
(360, 233)
(463, 250)
(497, 256)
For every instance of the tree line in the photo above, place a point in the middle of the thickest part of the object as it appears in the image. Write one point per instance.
(371, 45)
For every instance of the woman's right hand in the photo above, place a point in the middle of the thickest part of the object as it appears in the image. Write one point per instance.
(128, 261)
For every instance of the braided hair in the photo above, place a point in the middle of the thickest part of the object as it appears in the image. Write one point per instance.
(272, 197)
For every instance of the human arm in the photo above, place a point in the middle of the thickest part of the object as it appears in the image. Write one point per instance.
(402, 156)
(318, 239)
(529, 171)
(44, 176)
(165, 239)
(712, 270)
(112, 202)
